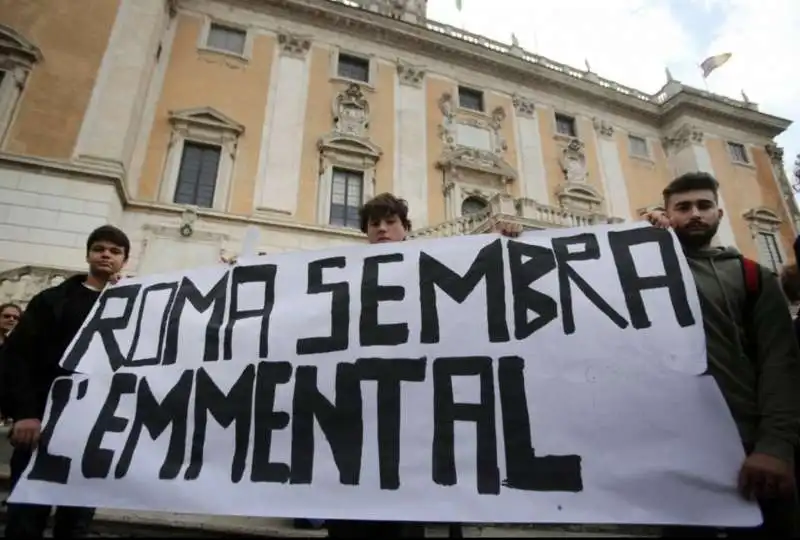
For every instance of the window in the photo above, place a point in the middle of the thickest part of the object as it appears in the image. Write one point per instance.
(738, 152)
(565, 125)
(769, 254)
(638, 146)
(197, 177)
(353, 68)
(472, 205)
(470, 99)
(225, 38)
(347, 189)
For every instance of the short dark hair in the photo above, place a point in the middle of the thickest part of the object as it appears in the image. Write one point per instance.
(692, 181)
(383, 206)
(7, 305)
(109, 233)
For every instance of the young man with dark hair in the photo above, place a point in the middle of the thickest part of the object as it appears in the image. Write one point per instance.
(32, 355)
(751, 349)
(385, 219)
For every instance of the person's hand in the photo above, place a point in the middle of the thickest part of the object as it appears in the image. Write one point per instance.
(657, 218)
(766, 477)
(228, 259)
(25, 433)
(115, 279)
(511, 230)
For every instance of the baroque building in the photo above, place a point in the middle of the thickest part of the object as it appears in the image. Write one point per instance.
(186, 121)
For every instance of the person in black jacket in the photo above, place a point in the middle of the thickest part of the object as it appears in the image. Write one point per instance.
(32, 356)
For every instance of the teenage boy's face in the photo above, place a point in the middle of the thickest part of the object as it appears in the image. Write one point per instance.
(105, 259)
(386, 229)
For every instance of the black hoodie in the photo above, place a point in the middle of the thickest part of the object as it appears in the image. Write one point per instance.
(33, 351)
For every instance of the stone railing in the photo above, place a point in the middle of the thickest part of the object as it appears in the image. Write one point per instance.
(519, 52)
(456, 227)
(21, 284)
(526, 212)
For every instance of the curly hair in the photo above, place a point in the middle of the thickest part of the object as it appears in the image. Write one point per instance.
(383, 206)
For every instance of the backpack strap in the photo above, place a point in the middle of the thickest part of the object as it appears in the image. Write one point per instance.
(751, 273)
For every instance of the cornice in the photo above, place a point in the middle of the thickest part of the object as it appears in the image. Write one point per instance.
(521, 68)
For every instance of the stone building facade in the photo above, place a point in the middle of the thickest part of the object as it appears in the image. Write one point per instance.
(186, 121)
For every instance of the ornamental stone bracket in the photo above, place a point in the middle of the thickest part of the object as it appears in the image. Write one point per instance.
(682, 137)
(410, 75)
(21, 284)
(351, 112)
(775, 153)
(603, 128)
(523, 106)
(294, 45)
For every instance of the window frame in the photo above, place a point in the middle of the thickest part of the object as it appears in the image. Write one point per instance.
(18, 58)
(372, 73)
(470, 89)
(198, 144)
(347, 172)
(748, 159)
(203, 126)
(205, 33)
(648, 155)
(557, 133)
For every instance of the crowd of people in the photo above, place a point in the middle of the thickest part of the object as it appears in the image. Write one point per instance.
(752, 351)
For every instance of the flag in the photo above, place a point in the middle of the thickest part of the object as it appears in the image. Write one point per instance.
(458, 5)
(713, 62)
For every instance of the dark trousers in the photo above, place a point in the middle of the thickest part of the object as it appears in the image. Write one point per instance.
(374, 529)
(30, 520)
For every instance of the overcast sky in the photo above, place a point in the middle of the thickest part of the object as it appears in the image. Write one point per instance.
(633, 41)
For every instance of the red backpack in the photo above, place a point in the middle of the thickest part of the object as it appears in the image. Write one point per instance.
(751, 272)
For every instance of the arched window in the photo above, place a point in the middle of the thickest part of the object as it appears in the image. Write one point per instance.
(472, 205)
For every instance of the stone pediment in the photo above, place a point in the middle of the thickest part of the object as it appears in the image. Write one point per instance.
(13, 44)
(207, 117)
(19, 285)
(350, 145)
(579, 196)
(763, 218)
(477, 160)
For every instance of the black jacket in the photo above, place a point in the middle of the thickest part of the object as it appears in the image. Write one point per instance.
(33, 351)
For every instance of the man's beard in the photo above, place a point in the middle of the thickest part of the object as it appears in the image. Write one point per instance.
(694, 236)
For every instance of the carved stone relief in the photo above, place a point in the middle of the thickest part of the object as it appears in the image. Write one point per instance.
(523, 106)
(573, 162)
(410, 75)
(448, 129)
(683, 136)
(604, 129)
(762, 219)
(293, 45)
(21, 284)
(351, 112)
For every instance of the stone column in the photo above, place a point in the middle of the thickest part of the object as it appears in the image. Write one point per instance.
(411, 155)
(616, 190)
(532, 173)
(111, 124)
(278, 181)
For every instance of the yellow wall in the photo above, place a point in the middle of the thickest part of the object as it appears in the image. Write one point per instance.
(234, 87)
(57, 94)
(644, 179)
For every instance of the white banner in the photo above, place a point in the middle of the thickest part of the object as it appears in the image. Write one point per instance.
(552, 378)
